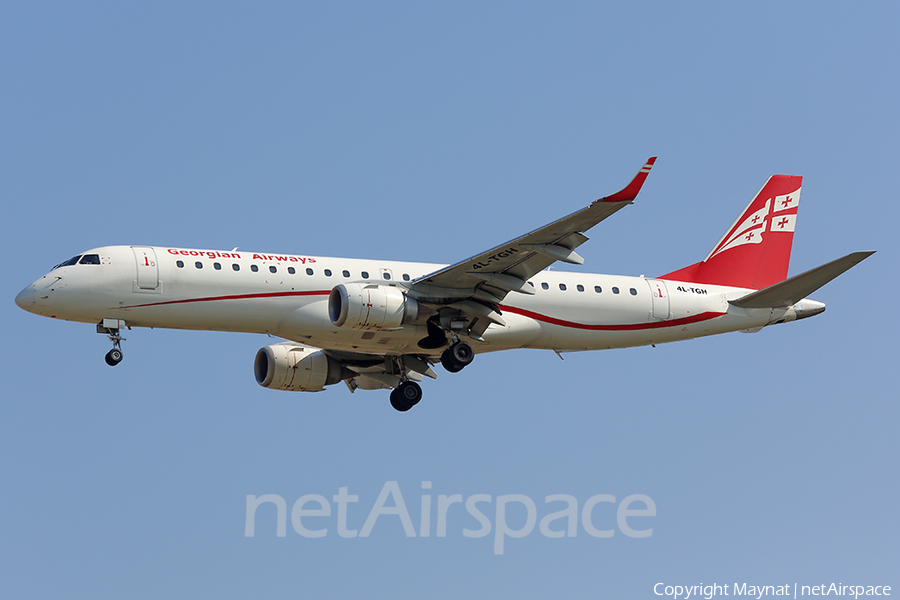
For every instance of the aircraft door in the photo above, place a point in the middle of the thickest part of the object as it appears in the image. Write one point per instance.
(660, 295)
(147, 268)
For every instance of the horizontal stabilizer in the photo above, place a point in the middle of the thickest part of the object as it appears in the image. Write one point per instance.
(790, 291)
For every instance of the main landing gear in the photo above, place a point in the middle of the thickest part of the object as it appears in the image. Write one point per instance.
(458, 356)
(454, 359)
(114, 356)
(406, 396)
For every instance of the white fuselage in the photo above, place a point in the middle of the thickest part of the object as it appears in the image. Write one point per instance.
(287, 296)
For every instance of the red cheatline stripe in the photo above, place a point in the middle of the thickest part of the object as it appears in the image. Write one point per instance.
(235, 297)
(630, 327)
(519, 311)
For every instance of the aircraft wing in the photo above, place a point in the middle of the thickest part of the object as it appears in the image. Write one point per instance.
(491, 275)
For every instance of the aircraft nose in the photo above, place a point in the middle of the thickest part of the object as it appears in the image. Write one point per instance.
(25, 298)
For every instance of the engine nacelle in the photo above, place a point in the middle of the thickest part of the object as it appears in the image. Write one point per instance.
(370, 306)
(295, 368)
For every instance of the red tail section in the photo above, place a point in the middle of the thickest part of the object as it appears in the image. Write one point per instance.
(756, 250)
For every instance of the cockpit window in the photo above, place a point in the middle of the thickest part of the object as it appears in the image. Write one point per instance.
(90, 259)
(68, 263)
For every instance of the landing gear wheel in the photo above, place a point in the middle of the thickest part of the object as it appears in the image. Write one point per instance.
(462, 353)
(457, 356)
(449, 364)
(397, 402)
(406, 396)
(114, 357)
(411, 392)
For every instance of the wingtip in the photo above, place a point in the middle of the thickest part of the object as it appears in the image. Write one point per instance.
(630, 191)
(648, 165)
(860, 256)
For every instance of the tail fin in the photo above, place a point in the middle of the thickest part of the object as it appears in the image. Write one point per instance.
(756, 250)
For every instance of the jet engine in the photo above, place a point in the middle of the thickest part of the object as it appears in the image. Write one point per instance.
(372, 306)
(295, 368)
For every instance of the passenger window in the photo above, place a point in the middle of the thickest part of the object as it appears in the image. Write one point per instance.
(365, 274)
(291, 270)
(633, 292)
(406, 277)
(544, 286)
(580, 288)
(327, 272)
(309, 271)
(217, 266)
(254, 268)
(598, 289)
(179, 264)
(346, 273)
(562, 287)
(386, 275)
(90, 259)
(198, 264)
(272, 269)
(236, 267)
(615, 290)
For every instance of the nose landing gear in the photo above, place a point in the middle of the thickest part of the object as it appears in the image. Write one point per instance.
(114, 356)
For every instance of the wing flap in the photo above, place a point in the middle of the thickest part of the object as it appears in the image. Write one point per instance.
(557, 252)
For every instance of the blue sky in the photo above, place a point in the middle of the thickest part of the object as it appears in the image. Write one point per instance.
(430, 132)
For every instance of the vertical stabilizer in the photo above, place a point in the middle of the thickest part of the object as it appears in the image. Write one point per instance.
(755, 252)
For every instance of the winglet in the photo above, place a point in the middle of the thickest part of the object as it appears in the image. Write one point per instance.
(630, 192)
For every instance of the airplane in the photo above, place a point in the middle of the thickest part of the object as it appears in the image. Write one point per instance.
(378, 324)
